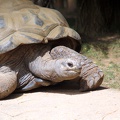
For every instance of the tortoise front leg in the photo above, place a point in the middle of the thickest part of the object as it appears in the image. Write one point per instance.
(33, 83)
(90, 77)
(8, 81)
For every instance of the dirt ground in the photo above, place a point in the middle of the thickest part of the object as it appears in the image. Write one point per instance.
(62, 103)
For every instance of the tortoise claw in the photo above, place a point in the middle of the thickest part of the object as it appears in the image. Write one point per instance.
(91, 81)
(35, 83)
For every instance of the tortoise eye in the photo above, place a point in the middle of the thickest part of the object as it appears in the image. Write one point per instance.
(70, 64)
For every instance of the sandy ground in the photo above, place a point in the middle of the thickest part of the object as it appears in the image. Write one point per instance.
(62, 103)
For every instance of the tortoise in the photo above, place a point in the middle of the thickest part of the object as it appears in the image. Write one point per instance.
(38, 48)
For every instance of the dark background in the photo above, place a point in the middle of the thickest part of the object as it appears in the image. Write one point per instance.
(88, 17)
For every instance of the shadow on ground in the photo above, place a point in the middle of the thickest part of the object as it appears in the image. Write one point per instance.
(66, 87)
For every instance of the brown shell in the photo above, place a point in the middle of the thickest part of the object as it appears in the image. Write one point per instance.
(22, 22)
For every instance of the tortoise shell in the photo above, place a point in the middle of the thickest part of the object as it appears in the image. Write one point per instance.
(22, 22)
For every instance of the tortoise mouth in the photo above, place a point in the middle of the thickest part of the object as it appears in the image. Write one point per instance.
(74, 70)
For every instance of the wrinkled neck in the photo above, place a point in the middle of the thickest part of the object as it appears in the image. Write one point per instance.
(44, 69)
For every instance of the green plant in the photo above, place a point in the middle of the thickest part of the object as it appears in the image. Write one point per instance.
(107, 56)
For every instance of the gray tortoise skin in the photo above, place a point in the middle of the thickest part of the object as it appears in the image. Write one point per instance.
(37, 48)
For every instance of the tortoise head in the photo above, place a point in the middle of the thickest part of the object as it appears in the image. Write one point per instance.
(67, 69)
(56, 70)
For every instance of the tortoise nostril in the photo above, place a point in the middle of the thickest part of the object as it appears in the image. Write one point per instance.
(70, 64)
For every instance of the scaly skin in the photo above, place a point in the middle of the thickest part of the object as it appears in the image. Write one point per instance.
(8, 81)
(26, 68)
(91, 75)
